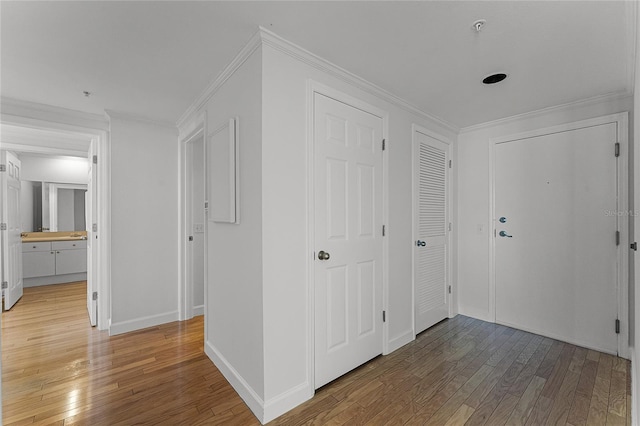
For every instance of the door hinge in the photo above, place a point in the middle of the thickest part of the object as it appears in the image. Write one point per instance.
(95, 159)
(617, 238)
(206, 205)
(449, 289)
(94, 227)
(617, 149)
(190, 237)
(3, 226)
(384, 316)
(94, 296)
(384, 144)
(449, 226)
(634, 246)
(3, 167)
(5, 285)
(384, 230)
(449, 163)
(617, 326)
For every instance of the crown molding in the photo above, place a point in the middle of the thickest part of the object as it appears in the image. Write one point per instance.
(32, 110)
(609, 97)
(275, 41)
(138, 118)
(265, 37)
(245, 53)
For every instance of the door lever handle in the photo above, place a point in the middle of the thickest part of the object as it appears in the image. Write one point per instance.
(504, 234)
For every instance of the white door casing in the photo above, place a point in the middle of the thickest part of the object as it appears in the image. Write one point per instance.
(92, 248)
(11, 240)
(557, 267)
(348, 227)
(431, 230)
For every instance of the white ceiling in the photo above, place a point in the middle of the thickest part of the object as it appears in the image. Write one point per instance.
(153, 58)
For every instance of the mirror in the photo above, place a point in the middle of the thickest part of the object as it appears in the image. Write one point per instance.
(51, 206)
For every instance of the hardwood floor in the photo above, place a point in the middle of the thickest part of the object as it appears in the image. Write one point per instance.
(58, 370)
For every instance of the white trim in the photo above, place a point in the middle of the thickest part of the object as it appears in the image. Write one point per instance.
(557, 109)
(139, 118)
(634, 386)
(20, 108)
(251, 46)
(246, 392)
(554, 336)
(143, 322)
(404, 338)
(314, 87)
(266, 37)
(416, 128)
(621, 120)
(33, 149)
(287, 400)
(185, 285)
(198, 310)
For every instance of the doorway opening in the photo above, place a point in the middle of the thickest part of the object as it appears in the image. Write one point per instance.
(193, 229)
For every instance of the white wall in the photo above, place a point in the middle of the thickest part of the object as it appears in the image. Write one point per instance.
(286, 252)
(144, 214)
(55, 169)
(234, 332)
(473, 194)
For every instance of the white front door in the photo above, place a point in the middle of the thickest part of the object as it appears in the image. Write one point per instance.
(11, 229)
(556, 258)
(431, 229)
(348, 237)
(91, 217)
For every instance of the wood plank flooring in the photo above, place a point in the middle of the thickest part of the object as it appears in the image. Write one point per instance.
(58, 370)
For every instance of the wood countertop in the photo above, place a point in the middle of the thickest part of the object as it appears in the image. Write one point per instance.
(35, 237)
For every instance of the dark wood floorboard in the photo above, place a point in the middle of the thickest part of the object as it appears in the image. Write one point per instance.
(56, 370)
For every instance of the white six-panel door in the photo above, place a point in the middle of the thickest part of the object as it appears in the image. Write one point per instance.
(556, 258)
(11, 240)
(348, 237)
(431, 229)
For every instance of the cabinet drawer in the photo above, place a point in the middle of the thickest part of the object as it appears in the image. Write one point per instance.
(69, 245)
(38, 264)
(31, 247)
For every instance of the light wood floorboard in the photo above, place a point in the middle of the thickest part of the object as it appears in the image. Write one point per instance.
(58, 370)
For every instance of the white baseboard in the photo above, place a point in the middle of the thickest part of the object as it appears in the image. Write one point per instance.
(277, 406)
(54, 279)
(140, 323)
(475, 313)
(246, 392)
(400, 341)
(198, 310)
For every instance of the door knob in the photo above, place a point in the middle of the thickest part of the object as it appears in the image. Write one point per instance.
(420, 243)
(504, 234)
(323, 255)
(503, 219)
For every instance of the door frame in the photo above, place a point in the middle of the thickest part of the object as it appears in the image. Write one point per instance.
(313, 88)
(415, 128)
(621, 121)
(185, 287)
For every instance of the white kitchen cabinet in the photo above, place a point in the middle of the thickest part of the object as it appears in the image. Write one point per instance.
(71, 256)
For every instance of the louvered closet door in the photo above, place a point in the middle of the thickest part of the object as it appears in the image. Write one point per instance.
(431, 231)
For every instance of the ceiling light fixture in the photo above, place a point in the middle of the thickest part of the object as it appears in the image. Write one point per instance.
(494, 78)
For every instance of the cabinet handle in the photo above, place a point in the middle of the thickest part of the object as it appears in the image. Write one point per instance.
(34, 247)
(51, 252)
(58, 252)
